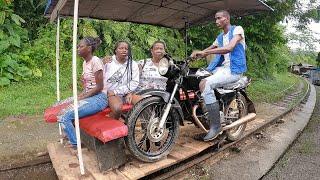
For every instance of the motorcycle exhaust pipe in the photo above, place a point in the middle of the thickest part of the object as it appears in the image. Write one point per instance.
(194, 114)
(242, 120)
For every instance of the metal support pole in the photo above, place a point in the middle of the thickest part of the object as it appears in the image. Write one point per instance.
(74, 80)
(186, 26)
(58, 69)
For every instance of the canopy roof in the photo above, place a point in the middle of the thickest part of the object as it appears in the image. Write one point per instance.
(167, 13)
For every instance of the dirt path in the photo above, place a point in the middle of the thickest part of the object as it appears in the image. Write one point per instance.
(302, 160)
(24, 138)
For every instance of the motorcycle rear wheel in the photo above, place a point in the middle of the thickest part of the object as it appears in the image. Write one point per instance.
(236, 109)
(142, 141)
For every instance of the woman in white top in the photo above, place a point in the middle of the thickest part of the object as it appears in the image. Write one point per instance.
(121, 77)
(149, 74)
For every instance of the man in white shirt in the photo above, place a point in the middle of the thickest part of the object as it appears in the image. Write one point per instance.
(227, 67)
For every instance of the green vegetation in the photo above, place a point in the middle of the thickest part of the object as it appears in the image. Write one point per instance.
(12, 36)
(304, 91)
(273, 89)
(307, 147)
(308, 140)
(267, 52)
(318, 59)
(33, 96)
(27, 61)
(304, 57)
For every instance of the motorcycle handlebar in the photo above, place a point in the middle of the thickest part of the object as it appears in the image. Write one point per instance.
(191, 59)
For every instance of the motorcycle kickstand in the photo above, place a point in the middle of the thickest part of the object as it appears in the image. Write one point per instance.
(221, 140)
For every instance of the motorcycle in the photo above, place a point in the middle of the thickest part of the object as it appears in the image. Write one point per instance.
(154, 121)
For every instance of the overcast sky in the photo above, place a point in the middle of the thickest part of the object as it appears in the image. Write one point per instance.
(314, 27)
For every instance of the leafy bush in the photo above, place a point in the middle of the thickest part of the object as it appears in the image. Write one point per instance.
(32, 12)
(266, 43)
(12, 37)
(141, 37)
(304, 57)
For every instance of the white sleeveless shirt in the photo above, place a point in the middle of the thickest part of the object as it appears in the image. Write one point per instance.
(150, 77)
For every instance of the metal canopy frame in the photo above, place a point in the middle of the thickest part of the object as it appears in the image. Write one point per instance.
(166, 13)
(57, 8)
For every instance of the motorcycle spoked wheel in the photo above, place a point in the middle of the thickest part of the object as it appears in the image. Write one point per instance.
(235, 110)
(142, 141)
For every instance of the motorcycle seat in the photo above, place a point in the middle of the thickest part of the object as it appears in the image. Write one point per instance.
(241, 83)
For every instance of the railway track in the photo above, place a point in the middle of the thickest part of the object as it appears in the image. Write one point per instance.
(214, 149)
(216, 152)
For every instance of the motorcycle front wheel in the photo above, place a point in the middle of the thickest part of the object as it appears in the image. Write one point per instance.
(144, 140)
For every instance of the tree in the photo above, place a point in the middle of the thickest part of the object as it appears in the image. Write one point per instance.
(266, 43)
(32, 12)
(304, 40)
(12, 37)
(318, 60)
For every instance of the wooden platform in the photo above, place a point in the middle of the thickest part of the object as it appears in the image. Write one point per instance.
(66, 165)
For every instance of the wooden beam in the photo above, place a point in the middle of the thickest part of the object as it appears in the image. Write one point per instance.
(56, 10)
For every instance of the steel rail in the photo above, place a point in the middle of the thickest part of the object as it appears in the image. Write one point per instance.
(215, 151)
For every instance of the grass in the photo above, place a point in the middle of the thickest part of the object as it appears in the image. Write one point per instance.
(307, 142)
(32, 97)
(307, 147)
(273, 89)
(304, 149)
(303, 92)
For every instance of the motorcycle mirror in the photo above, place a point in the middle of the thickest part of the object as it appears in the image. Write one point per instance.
(163, 66)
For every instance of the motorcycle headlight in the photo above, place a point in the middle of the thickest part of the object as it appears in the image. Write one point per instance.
(163, 66)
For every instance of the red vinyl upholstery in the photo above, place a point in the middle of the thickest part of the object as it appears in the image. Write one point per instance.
(98, 125)
(51, 113)
(102, 127)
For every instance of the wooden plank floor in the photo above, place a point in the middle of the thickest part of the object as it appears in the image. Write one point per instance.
(66, 165)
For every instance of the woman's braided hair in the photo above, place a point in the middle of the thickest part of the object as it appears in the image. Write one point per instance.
(129, 64)
(94, 43)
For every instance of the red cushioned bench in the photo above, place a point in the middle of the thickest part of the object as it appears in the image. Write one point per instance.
(100, 133)
(51, 113)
